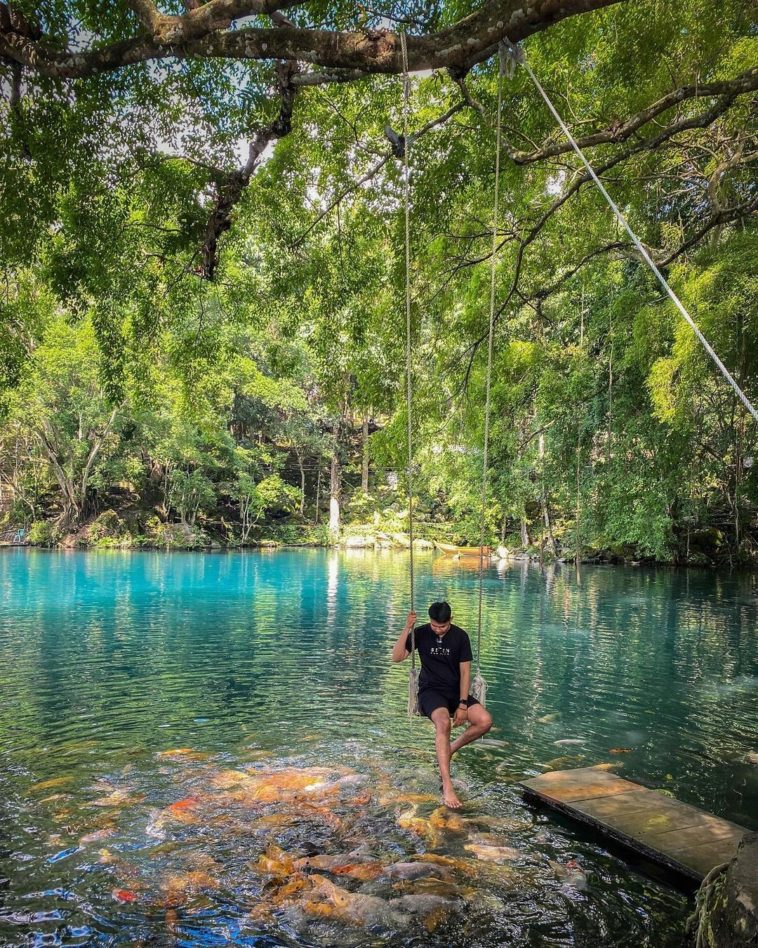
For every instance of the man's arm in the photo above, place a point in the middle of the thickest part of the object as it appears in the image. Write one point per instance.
(461, 712)
(400, 650)
(465, 680)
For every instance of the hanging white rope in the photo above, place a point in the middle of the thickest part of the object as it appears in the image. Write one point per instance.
(518, 55)
(408, 323)
(479, 686)
(413, 679)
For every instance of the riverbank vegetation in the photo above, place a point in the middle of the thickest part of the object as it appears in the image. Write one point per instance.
(202, 326)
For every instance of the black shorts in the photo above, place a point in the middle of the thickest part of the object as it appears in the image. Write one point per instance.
(429, 700)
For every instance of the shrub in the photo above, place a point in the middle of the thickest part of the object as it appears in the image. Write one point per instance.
(44, 533)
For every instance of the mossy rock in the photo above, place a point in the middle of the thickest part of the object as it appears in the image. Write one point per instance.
(361, 542)
(726, 913)
(107, 525)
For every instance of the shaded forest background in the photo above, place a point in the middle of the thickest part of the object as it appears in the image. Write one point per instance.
(202, 323)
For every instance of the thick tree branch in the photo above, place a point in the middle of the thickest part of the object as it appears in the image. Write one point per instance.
(621, 131)
(201, 33)
(219, 14)
(148, 14)
(202, 19)
(230, 191)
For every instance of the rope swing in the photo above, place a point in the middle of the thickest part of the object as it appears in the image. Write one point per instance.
(509, 55)
(413, 708)
(479, 685)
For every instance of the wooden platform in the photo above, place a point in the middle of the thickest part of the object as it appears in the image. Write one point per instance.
(681, 837)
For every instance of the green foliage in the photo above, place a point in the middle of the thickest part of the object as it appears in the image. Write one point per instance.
(44, 533)
(197, 413)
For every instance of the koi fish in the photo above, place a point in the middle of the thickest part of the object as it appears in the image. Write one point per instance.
(124, 895)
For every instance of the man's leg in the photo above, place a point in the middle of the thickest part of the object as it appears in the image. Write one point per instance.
(480, 721)
(441, 722)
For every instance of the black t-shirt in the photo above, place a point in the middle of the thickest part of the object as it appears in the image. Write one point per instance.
(441, 657)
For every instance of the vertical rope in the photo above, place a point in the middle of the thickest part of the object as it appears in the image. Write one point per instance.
(490, 338)
(408, 326)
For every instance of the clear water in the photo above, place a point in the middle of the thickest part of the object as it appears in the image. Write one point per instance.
(254, 670)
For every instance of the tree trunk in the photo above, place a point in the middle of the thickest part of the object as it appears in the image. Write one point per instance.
(739, 426)
(71, 510)
(318, 494)
(543, 499)
(524, 532)
(364, 469)
(302, 483)
(93, 453)
(577, 528)
(548, 524)
(610, 393)
(334, 498)
(335, 487)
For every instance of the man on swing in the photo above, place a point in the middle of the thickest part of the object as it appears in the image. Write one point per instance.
(445, 652)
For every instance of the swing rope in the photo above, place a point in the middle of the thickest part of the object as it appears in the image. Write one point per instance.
(490, 339)
(408, 321)
(479, 687)
(517, 54)
(413, 687)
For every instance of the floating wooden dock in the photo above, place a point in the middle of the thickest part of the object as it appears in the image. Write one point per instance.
(679, 836)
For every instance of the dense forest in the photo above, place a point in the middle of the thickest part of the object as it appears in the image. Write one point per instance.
(202, 324)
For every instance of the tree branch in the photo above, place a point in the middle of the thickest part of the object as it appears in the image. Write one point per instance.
(376, 168)
(202, 33)
(580, 179)
(621, 131)
(148, 14)
(721, 217)
(230, 192)
(702, 121)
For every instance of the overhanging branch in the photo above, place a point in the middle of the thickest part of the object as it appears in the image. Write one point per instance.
(230, 192)
(203, 33)
(621, 131)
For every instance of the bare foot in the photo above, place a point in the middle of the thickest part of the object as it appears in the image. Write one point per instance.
(449, 798)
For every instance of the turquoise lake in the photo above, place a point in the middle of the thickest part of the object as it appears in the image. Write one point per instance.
(181, 733)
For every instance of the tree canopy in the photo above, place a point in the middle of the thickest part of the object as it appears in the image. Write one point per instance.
(202, 251)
